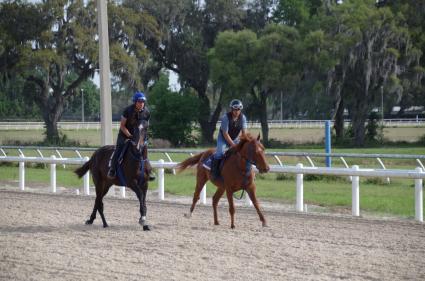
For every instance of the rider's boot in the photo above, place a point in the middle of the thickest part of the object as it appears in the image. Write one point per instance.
(215, 168)
(151, 175)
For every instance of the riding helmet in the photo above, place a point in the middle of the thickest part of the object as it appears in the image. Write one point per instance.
(236, 104)
(139, 96)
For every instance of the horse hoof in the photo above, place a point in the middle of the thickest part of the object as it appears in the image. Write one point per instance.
(105, 226)
(188, 216)
(146, 228)
(265, 224)
(88, 222)
(232, 227)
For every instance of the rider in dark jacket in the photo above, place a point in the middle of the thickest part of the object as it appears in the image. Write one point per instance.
(131, 117)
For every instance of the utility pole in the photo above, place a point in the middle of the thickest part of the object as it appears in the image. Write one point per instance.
(382, 104)
(104, 71)
(281, 105)
(82, 105)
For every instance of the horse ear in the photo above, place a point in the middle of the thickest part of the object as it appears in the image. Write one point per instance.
(258, 138)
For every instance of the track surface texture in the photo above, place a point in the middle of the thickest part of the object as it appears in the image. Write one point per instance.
(43, 237)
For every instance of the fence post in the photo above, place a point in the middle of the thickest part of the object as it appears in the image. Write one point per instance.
(300, 190)
(161, 180)
(86, 180)
(122, 191)
(248, 201)
(204, 195)
(53, 175)
(22, 175)
(419, 197)
(355, 201)
(328, 143)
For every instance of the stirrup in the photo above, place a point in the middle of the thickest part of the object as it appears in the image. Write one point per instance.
(111, 174)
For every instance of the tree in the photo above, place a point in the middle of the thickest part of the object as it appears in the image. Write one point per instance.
(257, 67)
(189, 29)
(46, 59)
(370, 47)
(175, 113)
(61, 51)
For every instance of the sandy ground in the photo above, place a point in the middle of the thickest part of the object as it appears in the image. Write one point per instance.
(43, 237)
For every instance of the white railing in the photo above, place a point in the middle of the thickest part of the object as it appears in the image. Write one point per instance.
(355, 172)
(167, 151)
(69, 125)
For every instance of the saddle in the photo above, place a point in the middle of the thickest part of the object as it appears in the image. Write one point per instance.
(119, 168)
(122, 153)
(208, 161)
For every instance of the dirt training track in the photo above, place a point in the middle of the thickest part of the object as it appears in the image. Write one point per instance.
(43, 237)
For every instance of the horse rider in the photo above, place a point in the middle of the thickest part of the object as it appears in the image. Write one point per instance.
(233, 124)
(131, 118)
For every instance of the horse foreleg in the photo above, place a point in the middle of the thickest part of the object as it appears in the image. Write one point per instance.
(141, 195)
(231, 209)
(216, 198)
(253, 197)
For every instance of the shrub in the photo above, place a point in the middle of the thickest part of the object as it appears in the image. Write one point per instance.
(173, 114)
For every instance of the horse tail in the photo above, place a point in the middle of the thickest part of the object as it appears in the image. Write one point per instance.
(83, 169)
(191, 161)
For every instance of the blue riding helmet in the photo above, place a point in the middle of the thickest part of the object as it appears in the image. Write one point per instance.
(139, 96)
(236, 104)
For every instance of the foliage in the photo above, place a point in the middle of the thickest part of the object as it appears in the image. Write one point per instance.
(91, 103)
(374, 131)
(173, 114)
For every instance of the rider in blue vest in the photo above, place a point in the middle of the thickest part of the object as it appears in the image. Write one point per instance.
(233, 123)
(131, 118)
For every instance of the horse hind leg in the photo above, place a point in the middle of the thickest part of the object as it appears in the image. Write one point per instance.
(201, 179)
(100, 193)
(93, 214)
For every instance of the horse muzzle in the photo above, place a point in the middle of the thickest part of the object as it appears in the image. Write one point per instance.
(264, 170)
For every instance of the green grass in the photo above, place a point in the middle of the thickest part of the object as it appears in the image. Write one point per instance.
(396, 199)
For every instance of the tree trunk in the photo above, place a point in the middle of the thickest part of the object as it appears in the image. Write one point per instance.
(263, 118)
(359, 116)
(208, 125)
(52, 108)
(339, 120)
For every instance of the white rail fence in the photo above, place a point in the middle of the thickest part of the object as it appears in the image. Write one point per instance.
(355, 172)
(5, 149)
(70, 125)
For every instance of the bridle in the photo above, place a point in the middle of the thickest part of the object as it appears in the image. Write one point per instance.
(136, 154)
(249, 161)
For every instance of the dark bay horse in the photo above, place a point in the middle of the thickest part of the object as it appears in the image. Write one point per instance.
(133, 171)
(236, 174)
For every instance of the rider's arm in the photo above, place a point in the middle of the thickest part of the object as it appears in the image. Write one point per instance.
(228, 139)
(244, 126)
(124, 128)
(224, 128)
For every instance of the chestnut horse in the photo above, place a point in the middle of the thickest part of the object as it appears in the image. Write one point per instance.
(132, 176)
(236, 174)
